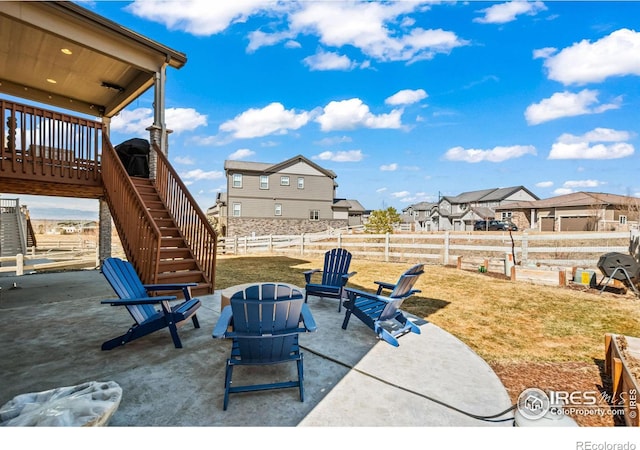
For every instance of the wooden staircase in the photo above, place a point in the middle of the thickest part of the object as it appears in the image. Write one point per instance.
(177, 262)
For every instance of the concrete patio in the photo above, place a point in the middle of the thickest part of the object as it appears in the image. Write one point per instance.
(53, 325)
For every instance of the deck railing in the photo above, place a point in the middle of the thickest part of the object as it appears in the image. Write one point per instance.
(192, 222)
(139, 235)
(42, 143)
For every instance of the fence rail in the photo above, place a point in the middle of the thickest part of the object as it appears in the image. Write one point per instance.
(549, 249)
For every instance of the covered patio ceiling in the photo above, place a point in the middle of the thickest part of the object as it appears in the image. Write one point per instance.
(63, 55)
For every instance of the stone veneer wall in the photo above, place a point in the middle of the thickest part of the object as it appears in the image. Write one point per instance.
(264, 227)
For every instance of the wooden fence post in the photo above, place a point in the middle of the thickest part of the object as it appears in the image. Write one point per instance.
(459, 265)
(386, 248)
(19, 264)
(513, 273)
(445, 257)
(524, 245)
(302, 244)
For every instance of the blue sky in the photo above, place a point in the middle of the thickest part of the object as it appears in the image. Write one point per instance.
(403, 100)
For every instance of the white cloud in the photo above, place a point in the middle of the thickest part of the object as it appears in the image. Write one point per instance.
(333, 140)
(272, 119)
(617, 54)
(381, 190)
(544, 184)
(198, 17)
(341, 156)
(567, 104)
(351, 114)
(563, 191)
(389, 167)
(184, 160)
(496, 154)
(582, 184)
(507, 12)
(328, 61)
(406, 97)
(199, 174)
(400, 194)
(371, 27)
(609, 144)
(241, 153)
(137, 121)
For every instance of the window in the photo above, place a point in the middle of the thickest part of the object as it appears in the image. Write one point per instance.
(507, 215)
(300, 182)
(264, 182)
(622, 220)
(237, 209)
(237, 180)
(278, 209)
(284, 181)
(314, 214)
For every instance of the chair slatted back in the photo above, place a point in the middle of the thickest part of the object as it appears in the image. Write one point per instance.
(407, 280)
(127, 285)
(402, 291)
(336, 264)
(266, 321)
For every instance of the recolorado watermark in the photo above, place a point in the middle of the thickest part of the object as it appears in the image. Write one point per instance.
(534, 403)
(590, 445)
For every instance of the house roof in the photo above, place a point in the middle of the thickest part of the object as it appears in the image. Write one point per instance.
(574, 199)
(485, 195)
(248, 166)
(106, 66)
(420, 206)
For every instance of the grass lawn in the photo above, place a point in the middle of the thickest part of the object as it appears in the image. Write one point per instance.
(532, 335)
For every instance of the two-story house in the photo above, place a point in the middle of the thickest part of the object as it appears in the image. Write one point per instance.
(290, 197)
(461, 211)
(578, 211)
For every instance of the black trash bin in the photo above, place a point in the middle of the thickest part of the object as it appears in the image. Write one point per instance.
(134, 154)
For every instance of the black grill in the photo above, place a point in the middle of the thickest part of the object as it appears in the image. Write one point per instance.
(612, 265)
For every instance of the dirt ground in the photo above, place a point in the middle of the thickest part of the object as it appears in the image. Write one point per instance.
(570, 376)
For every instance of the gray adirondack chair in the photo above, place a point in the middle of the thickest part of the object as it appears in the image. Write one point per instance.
(382, 313)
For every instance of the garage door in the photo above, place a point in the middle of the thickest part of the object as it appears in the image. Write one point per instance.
(575, 224)
(546, 224)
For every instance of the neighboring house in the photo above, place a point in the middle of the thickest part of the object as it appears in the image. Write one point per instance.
(461, 211)
(417, 217)
(579, 211)
(291, 197)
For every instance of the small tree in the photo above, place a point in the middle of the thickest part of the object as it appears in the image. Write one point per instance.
(382, 221)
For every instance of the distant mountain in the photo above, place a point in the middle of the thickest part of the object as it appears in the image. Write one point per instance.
(37, 213)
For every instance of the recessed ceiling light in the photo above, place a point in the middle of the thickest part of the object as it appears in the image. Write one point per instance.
(51, 80)
(66, 51)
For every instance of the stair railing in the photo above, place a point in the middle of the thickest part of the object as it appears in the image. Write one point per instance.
(191, 221)
(139, 235)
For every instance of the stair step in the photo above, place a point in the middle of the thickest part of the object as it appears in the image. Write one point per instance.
(191, 276)
(172, 242)
(173, 265)
(169, 232)
(165, 223)
(170, 253)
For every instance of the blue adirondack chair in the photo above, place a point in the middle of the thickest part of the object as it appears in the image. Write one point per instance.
(135, 297)
(264, 321)
(382, 313)
(335, 275)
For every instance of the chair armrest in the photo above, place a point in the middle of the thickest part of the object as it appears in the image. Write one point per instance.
(307, 318)
(384, 285)
(220, 329)
(172, 287)
(138, 301)
(308, 273)
(353, 293)
(346, 277)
